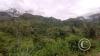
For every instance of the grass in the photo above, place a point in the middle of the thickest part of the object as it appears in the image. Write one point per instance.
(32, 46)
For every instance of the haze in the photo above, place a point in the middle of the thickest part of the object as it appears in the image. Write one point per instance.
(61, 9)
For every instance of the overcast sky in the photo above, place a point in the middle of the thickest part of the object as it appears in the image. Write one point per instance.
(61, 9)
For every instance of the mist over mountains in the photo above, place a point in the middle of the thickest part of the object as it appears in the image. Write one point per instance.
(10, 13)
(62, 9)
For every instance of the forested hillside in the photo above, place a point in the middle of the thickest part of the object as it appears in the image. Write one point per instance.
(34, 35)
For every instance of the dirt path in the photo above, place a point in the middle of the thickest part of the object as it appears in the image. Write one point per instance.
(98, 54)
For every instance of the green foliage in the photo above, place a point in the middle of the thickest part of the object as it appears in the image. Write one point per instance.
(33, 35)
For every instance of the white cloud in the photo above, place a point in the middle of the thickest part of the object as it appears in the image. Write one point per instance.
(61, 9)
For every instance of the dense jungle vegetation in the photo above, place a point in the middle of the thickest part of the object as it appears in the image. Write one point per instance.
(34, 35)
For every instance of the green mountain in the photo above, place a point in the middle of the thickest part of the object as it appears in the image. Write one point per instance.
(35, 35)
